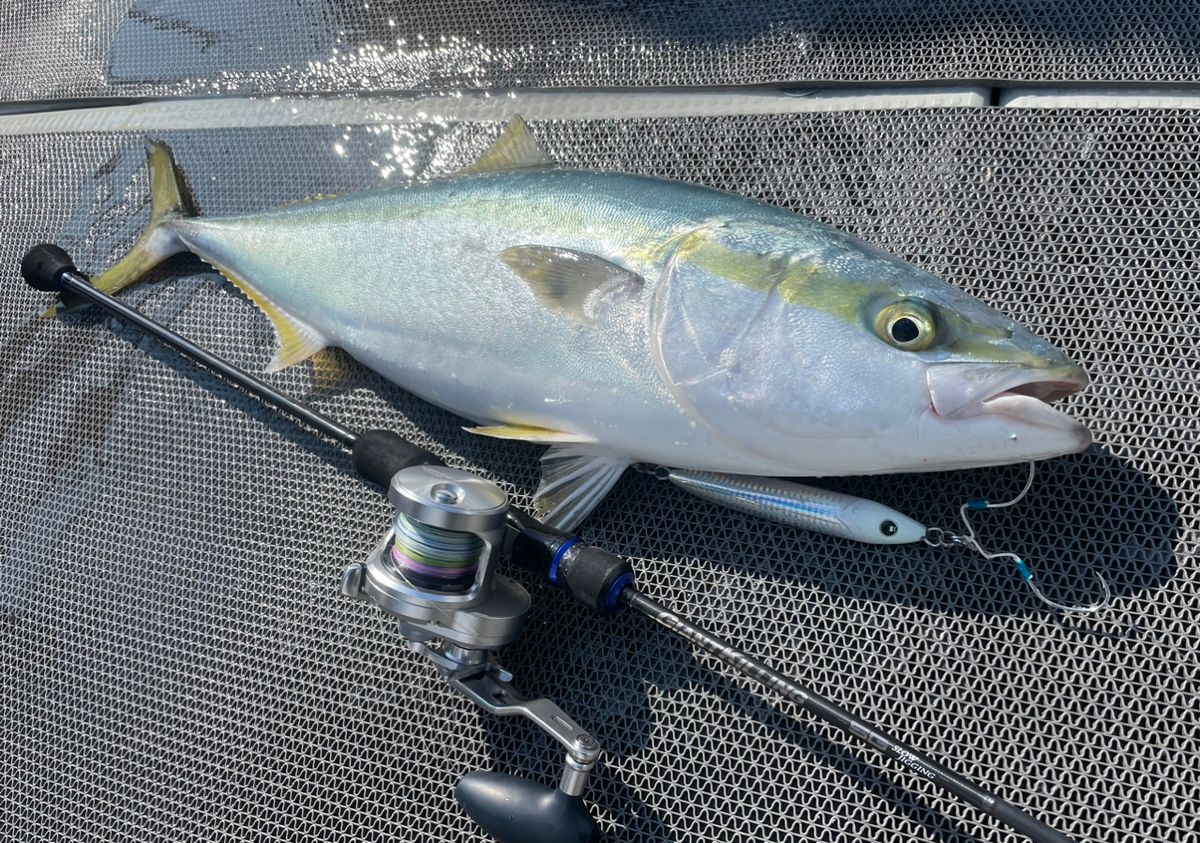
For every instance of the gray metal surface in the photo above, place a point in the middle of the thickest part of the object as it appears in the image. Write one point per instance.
(179, 664)
(85, 48)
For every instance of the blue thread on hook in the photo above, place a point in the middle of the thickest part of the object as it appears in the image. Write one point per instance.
(944, 538)
(1026, 574)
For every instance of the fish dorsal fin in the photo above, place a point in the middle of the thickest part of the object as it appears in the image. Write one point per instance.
(297, 341)
(575, 479)
(578, 285)
(514, 149)
(529, 433)
(309, 200)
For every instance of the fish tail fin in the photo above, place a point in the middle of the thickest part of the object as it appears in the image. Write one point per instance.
(168, 201)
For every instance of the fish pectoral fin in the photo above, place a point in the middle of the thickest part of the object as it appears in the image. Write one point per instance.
(530, 433)
(575, 478)
(514, 149)
(578, 285)
(297, 341)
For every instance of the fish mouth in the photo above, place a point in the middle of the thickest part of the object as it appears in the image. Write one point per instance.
(1019, 393)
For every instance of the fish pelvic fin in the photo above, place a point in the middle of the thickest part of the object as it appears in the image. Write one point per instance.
(516, 148)
(168, 201)
(297, 341)
(577, 472)
(575, 479)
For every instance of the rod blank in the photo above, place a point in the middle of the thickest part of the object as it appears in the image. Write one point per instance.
(76, 284)
(837, 716)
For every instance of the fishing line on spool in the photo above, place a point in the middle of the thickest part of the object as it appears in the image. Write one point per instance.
(434, 558)
(938, 537)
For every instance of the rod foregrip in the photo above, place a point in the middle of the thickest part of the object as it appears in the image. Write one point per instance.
(593, 576)
(534, 545)
(379, 454)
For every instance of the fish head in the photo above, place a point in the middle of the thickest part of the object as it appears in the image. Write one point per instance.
(815, 353)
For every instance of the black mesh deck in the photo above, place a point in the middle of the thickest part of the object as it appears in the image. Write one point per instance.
(179, 665)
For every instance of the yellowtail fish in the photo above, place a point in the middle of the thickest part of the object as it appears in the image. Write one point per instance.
(624, 319)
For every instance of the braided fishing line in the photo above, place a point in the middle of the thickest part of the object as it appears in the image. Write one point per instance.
(434, 558)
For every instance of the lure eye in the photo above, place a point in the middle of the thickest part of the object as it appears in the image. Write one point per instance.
(907, 325)
(889, 528)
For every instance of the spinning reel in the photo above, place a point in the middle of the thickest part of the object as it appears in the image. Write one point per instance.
(435, 573)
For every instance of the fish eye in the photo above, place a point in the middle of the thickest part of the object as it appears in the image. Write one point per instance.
(907, 325)
(889, 528)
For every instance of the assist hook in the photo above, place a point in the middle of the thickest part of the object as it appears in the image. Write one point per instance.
(937, 537)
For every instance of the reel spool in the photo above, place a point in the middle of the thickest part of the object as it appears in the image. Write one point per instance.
(434, 559)
(435, 573)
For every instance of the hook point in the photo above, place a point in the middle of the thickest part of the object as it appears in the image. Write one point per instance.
(1095, 606)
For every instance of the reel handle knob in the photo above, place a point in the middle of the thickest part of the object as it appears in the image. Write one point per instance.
(43, 267)
(516, 810)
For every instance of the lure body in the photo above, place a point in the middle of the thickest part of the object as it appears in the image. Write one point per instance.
(626, 319)
(797, 505)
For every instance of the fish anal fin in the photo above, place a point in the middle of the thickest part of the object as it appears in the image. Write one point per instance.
(530, 433)
(514, 149)
(578, 285)
(575, 479)
(332, 369)
(297, 341)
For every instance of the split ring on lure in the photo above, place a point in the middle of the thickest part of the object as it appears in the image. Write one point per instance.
(850, 517)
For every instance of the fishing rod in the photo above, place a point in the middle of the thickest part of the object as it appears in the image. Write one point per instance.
(435, 571)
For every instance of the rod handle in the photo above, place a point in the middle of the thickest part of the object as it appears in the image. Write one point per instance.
(591, 575)
(379, 454)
